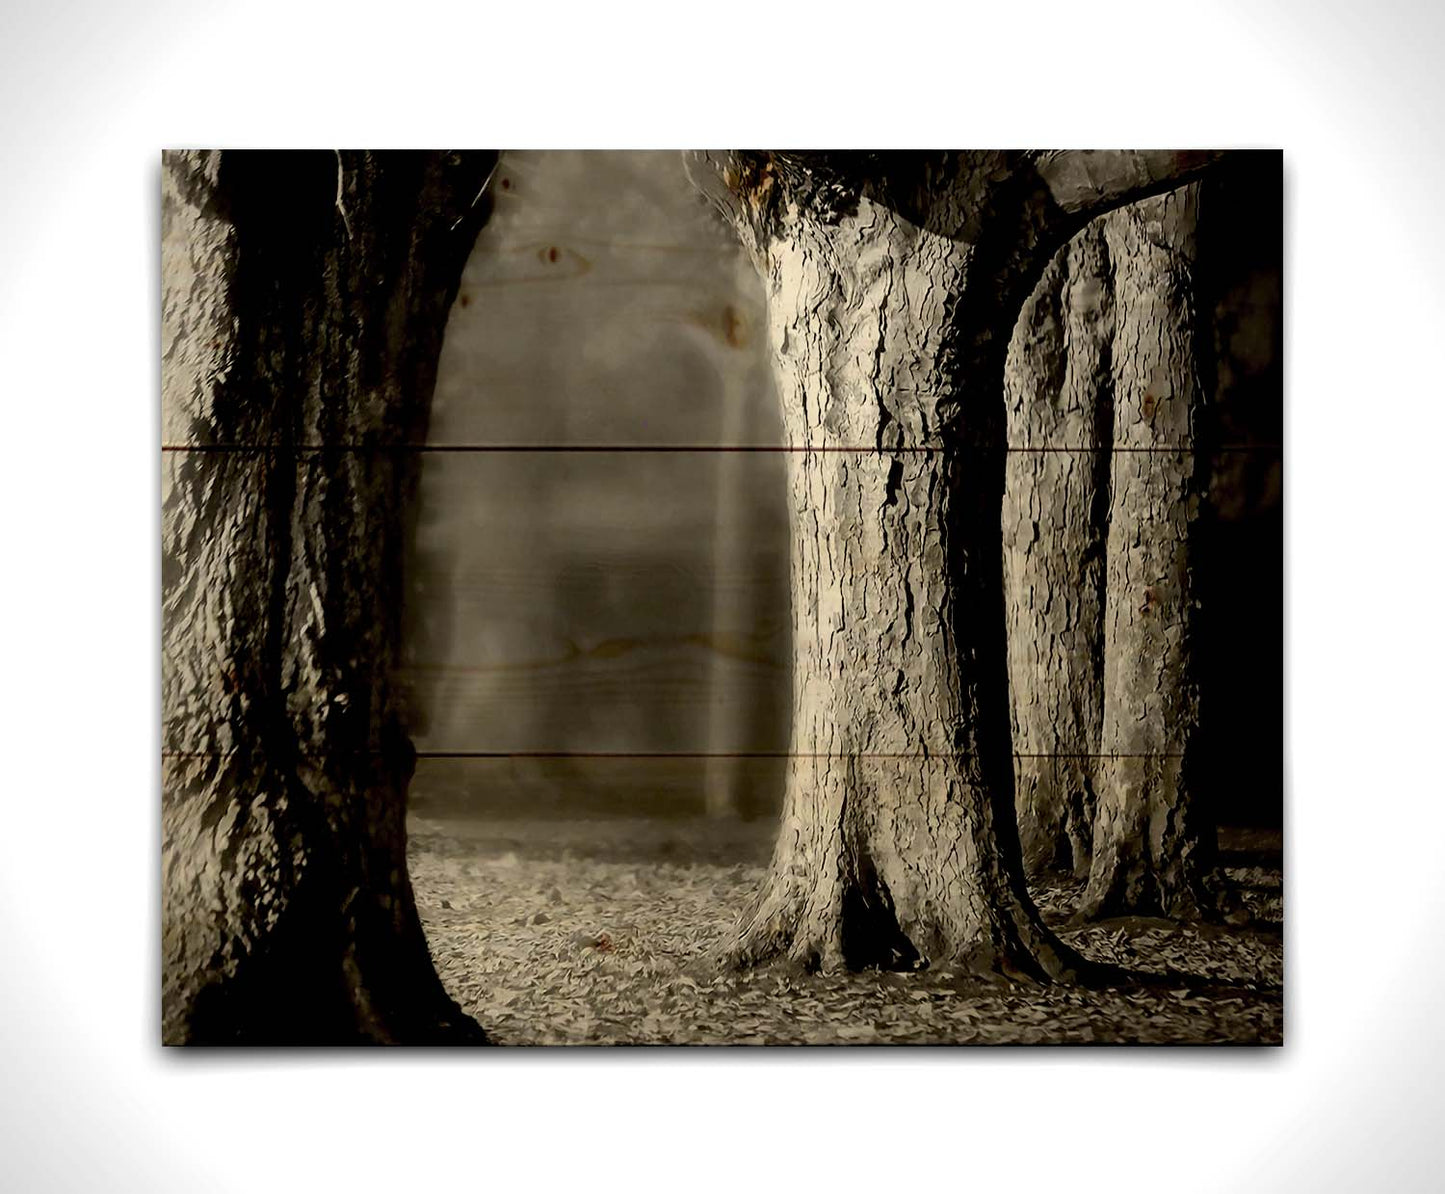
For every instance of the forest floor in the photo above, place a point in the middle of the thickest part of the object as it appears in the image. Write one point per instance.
(609, 932)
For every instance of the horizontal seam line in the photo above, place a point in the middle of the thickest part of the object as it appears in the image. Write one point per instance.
(680, 448)
(764, 754)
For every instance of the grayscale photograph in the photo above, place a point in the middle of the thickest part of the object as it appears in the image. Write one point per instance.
(770, 597)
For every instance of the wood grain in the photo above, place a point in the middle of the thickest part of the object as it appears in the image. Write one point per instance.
(604, 303)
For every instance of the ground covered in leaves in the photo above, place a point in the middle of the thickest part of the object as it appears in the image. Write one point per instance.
(609, 932)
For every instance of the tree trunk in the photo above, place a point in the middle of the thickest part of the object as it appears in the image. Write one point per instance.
(304, 298)
(1151, 853)
(1058, 395)
(893, 284)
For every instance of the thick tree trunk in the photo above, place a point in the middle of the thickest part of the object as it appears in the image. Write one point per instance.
(304, 297)
(894, 282)
(888, 849)
(1058, 396)
(1151, 853)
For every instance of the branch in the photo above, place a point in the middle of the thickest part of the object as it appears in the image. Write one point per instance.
(340, 191)
(486, 182)
(1088, 182)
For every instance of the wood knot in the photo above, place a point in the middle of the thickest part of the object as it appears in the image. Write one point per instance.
(734, 329)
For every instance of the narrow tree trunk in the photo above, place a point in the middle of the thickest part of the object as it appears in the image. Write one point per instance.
(1152, 854)
(893, 285)
(304, 297)
(1058, 394)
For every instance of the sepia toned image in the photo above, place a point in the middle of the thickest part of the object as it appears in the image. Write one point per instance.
(721, 597)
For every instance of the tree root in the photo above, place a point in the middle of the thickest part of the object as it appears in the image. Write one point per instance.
(850, 931)
(1183, 893)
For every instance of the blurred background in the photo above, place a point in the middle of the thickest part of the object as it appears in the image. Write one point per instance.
(583, 600)
(598, 612)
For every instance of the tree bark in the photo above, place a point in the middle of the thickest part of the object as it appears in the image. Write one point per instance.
(893, 284)
(1152, 853)
(304, 298)
(1058, 395)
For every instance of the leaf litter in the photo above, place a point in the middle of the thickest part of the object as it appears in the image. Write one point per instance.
(610, 932)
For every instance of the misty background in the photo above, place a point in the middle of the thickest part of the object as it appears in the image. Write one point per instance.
(576, 613)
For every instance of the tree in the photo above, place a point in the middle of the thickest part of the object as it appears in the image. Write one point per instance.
(1107, 355)
(304, 297)
(1058, 391)
(1104, 376)
(894, 282)
(1152, 851)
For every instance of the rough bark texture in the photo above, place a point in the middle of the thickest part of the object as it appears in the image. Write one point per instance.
(1058, 393)
(1151, 851)
(894, 282)
(304, 297)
